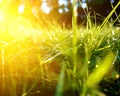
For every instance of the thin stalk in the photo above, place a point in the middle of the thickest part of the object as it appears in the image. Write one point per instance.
(74, 26)
(74, 41)
(110, 14)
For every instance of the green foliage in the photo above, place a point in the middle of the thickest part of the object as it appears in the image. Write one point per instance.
(61, 62)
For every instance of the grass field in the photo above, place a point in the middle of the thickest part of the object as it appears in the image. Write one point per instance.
(81, 61)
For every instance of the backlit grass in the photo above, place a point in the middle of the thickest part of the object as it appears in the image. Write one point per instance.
(55, 61)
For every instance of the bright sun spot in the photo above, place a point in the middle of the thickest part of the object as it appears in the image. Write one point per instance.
(84, 5)
(45, 8)
(63, 2)
(20, 28)
(17, 26)
(21, 8)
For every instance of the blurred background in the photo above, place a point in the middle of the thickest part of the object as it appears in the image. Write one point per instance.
(61, 10)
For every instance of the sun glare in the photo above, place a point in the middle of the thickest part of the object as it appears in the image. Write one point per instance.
(17, 23)
(20, 28)
(45, 8)
(16, 18)
(21, 8)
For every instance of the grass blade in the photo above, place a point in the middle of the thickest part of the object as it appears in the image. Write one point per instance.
(96, 76)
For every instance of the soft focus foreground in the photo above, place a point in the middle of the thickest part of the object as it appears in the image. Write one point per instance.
(36, 58)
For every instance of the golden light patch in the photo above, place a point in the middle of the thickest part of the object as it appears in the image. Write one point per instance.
(117, 76)
(20, 28)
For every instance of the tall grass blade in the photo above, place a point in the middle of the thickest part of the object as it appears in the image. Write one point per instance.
(60, 82)
(74, 26)
(96, 76)
(110, 14)
(74, 41)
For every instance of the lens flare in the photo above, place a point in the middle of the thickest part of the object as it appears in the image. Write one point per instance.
(20, 28)
(16, 19)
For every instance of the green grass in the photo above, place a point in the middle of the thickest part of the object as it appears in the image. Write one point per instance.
(61, 62)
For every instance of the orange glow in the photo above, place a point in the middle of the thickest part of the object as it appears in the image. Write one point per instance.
(17, 18)
(18, 35)
(19, 30)
(17, 23)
